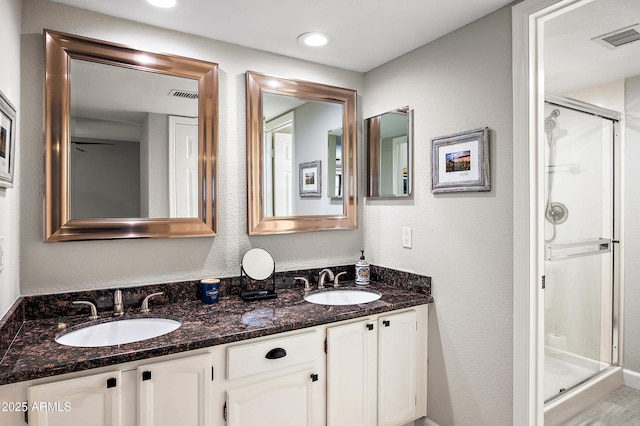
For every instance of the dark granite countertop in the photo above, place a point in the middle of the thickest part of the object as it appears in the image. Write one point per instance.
(33, 352)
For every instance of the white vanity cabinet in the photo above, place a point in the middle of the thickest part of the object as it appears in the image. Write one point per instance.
(397, 368)
(175, 392)
(365, 371)
(86, 400)
(376, 370)
(277, 381)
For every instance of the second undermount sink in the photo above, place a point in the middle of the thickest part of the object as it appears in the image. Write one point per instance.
(118, 332)
(342, 297)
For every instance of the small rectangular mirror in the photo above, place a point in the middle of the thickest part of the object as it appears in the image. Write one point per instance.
(389, 139)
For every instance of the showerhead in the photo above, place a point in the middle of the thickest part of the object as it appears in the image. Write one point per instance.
(550, 123)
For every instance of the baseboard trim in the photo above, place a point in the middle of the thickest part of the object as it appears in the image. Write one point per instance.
(631, 379)
(422, 421)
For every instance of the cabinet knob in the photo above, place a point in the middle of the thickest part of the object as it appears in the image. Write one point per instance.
(369, 327)
(386, 323)
(276, 353)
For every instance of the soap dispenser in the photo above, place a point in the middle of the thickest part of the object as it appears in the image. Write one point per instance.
(363, 271)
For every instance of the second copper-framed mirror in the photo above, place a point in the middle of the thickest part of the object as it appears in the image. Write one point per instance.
(301, 156)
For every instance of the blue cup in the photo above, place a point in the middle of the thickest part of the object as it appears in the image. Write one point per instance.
(210, 290)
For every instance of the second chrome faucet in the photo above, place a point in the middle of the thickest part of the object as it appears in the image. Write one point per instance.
(118, 307)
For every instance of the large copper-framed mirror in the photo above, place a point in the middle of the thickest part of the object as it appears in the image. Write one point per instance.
(121, 162)
(301, 156)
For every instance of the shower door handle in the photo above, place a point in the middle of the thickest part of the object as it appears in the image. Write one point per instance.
(564, 251)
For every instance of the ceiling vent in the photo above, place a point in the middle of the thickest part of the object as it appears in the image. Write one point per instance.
(183, 94)
(619, 38)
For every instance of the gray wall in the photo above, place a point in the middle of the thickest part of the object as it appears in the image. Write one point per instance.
(312, 123)
(463, 241)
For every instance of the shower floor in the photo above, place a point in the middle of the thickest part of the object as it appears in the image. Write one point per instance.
(564, 370)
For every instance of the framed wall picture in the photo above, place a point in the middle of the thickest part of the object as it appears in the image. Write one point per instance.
(460, 162)
(310, 179)
(7, 141)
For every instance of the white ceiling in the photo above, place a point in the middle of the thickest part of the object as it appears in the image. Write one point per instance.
(366, 33)
(573, 61)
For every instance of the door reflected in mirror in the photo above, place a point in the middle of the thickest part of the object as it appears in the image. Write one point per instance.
(389, 154)
(334, 181)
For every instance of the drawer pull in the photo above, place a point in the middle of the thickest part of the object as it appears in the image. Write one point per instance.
(276, 353)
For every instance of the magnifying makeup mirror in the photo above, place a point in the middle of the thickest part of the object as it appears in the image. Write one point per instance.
(257, 266)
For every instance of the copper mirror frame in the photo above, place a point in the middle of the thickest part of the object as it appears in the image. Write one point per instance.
(60, 49)
(258, 224)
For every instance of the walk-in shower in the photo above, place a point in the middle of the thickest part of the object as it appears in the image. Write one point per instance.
(579, 236)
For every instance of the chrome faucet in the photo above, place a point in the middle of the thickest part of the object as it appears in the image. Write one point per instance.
(305, 281)
(336, 280)
(94, 311)
(322, 276)
(117, 304)
(145, 303)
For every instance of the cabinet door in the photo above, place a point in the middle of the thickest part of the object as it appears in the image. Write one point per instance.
(283, 401)
(91, 400)
(397, 368)
(351, 374)
(175, 392)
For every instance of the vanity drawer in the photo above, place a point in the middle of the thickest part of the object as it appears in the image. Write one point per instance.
(273, 354)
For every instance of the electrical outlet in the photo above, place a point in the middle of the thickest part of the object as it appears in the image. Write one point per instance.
(406, 236)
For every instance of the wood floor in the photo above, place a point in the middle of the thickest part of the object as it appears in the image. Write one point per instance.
(620, 408)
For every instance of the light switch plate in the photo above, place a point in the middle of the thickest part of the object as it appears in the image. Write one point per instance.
(406, 236)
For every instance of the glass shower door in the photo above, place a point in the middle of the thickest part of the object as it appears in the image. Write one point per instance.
(579, 201)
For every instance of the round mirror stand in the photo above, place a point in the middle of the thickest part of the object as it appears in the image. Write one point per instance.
(257, 265)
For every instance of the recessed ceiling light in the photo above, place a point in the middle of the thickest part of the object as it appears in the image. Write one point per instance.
(314, 39)
(162, 3)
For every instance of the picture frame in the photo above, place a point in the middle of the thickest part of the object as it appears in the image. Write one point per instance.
(311, 179)
(460, 162)
(7, 141)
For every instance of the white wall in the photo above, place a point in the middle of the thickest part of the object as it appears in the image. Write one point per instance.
(157, 146)
(11, 12)
(463, 241)
(49, 268)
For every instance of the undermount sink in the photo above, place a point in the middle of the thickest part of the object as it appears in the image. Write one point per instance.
(118, 332)
(342, 297)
